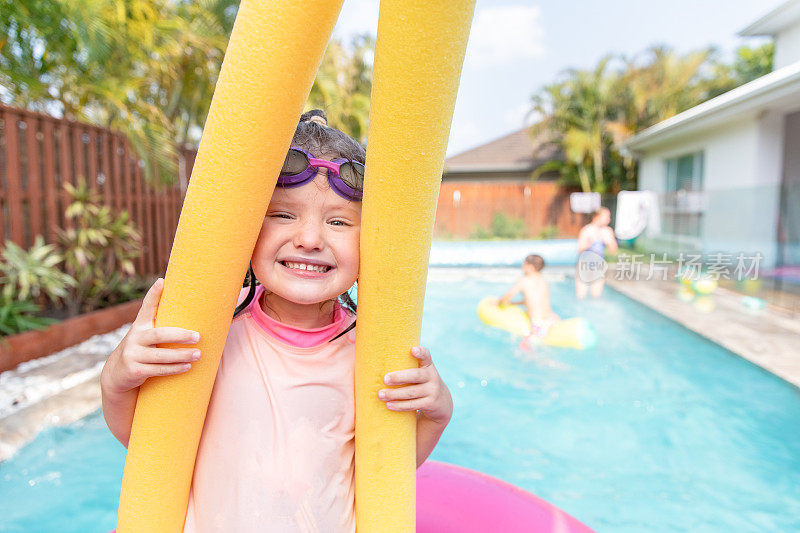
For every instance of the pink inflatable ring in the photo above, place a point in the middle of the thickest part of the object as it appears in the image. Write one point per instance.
(452, 499)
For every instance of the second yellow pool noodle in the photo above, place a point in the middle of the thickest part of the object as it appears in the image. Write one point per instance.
(274, 52)
(418, 57)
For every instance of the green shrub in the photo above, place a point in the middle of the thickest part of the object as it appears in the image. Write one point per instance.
(17, 316)
(120, 288)
(444, 235)
(98, 250)
(480, 233)
(501, 227)
(548, 232)
(508, 227)
(30, 274)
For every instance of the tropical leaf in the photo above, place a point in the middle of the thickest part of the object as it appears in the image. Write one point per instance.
(98, 251)
(27, 274)
(590, 113)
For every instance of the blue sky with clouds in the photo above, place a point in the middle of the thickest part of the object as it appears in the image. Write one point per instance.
(515, 47)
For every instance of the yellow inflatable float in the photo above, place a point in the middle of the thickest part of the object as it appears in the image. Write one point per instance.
(574, 333)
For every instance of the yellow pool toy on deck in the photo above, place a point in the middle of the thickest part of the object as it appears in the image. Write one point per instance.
(704, 285)
(568, 333)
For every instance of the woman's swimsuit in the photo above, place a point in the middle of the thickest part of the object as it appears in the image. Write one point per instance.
(590, 262)
(598, 247)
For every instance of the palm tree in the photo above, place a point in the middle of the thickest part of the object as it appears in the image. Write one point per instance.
(343, 85)
(191, 62)
(659, 84)
(144, 67)
(148, 68)
(590, 113)
(575, 114)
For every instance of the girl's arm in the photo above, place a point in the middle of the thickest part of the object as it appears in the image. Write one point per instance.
(422, 390)
(137, 358)
(428, 433)
(118, 407)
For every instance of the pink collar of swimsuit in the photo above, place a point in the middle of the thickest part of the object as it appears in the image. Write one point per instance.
(294, 336)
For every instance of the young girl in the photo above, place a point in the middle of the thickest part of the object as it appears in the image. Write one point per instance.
(276, 452)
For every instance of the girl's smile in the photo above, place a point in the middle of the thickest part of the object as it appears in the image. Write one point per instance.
(305, 268)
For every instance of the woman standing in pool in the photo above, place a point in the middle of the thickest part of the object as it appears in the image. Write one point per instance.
(276, 452)
(592, 242)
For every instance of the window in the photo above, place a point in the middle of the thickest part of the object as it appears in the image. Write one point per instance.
(684, 201)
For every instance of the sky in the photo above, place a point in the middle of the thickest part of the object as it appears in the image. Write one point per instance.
(516, 47)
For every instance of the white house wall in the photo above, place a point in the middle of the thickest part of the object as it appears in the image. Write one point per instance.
(742, 170)
(787, 46)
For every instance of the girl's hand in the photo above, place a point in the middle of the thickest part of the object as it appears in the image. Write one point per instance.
(137, 357)
(419, 389)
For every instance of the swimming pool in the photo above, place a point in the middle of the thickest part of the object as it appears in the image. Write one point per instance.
(656, 429)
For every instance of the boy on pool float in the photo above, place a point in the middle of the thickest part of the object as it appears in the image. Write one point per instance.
(535, 298)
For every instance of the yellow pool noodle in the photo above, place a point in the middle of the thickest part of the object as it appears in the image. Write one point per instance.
(274, 52)
(418, 57)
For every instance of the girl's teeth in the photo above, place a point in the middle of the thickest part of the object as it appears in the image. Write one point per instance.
(304, 266)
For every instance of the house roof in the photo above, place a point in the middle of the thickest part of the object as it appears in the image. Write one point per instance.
(777, 90)
(515, 152)
(776, 20)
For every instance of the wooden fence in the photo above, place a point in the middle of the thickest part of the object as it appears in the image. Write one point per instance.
(39, 153)
(465, 206)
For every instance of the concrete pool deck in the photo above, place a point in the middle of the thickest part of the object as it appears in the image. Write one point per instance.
(768, 338)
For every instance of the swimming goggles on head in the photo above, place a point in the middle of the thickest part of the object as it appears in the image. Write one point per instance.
(345, 177)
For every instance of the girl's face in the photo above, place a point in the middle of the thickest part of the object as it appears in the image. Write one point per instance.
(307, 251)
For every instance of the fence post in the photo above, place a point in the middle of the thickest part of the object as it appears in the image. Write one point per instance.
(34, 177)
(14, 196)
(53, 215)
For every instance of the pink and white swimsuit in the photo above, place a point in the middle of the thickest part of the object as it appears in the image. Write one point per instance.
(276, 453)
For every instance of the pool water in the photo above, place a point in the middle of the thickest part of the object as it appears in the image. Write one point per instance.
(655, 429)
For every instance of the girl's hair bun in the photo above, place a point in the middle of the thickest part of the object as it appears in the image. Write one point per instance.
(314, 135)
(315, 115)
